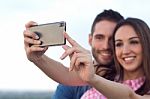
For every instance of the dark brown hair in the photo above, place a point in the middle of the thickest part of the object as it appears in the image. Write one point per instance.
(143, 32)
(110, 15)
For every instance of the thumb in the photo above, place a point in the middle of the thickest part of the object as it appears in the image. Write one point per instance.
(30, 24)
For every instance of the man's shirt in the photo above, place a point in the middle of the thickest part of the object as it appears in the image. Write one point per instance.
(69, 92)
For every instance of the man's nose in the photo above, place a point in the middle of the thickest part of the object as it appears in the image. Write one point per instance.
(106, 44)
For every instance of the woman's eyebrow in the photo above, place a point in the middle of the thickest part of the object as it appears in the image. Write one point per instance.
(133, 38)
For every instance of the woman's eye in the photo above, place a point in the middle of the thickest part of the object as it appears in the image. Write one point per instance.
(134, 42)
(118, 44)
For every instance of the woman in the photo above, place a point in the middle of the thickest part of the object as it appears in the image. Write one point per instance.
(131, 40)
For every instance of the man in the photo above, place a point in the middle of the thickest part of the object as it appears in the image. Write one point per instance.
(99, 40)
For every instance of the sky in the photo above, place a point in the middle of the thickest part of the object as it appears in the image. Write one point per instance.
(16, 72)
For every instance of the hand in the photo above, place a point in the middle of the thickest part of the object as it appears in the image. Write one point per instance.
(33, 52)
(81, 59)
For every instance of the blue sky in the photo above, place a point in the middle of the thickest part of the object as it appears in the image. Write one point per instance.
(16, 72)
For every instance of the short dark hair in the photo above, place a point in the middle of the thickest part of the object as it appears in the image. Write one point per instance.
(143, 32)
(110, 15)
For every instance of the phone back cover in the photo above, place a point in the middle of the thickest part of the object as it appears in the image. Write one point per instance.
(50, 34)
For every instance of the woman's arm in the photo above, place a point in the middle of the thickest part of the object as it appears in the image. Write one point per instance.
(114, 90)
(110, 89)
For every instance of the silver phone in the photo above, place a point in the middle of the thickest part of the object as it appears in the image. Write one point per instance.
(50, 34)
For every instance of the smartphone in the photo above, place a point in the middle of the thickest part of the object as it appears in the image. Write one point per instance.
(50, 34)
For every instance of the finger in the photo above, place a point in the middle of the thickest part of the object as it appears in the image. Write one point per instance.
(70, 40)
(64, 55)
(68, 51)
(30, 38)
(80, 61)
(83, 59)
(45, 48)
(31, 41)
(30, 24)
(65, 47)
(30, 34)
(35, 49)
(72, 62)
(75, 61)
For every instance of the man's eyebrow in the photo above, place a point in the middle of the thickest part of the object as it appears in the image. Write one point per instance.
(99, 35)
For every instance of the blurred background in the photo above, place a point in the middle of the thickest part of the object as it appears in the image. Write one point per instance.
(21, 79)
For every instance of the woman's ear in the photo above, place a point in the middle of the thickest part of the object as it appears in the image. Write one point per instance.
(90, 39)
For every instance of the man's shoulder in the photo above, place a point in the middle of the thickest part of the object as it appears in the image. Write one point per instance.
(73, 88)
(69, 92)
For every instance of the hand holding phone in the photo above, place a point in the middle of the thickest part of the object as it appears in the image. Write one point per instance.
(50, 34)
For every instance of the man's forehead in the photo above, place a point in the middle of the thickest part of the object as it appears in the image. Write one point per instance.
(105, 24)
(104, 27)
(103, 33)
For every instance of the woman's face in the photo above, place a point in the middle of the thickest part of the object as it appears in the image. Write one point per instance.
(128, 48)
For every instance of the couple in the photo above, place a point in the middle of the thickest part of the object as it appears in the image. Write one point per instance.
(131, 54)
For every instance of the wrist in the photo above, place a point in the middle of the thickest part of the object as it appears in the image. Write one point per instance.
(93, 80)
(38, 60)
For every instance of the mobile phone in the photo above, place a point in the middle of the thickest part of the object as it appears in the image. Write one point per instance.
(50, 34)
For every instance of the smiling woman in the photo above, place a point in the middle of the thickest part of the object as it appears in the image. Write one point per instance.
(128, 50)
(132, 51)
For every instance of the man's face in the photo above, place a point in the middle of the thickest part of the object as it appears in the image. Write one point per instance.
(100, 41)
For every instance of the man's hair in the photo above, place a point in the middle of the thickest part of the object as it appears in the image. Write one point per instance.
(113, 16)
(110, 15)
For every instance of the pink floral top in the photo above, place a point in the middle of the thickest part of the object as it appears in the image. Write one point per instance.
(94, 94)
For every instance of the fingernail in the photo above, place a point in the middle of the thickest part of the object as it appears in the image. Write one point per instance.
(36, 37)
(35, 23)
(61, 57)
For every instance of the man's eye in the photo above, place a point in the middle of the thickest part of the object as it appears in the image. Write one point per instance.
(99, 37)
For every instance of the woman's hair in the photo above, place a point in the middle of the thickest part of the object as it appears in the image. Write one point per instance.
(143, 32)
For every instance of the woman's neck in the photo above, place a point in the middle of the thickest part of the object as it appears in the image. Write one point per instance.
(130, 75)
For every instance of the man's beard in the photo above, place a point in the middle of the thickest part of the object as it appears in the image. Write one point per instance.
(96, 53)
